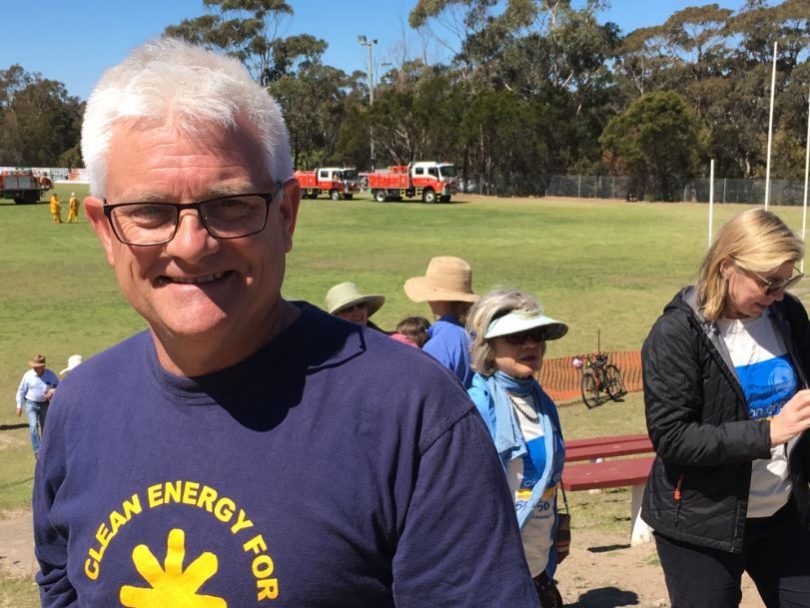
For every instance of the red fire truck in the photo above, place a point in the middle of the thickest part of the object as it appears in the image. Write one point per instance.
(22, 186)
(429, 180)
(337, 182)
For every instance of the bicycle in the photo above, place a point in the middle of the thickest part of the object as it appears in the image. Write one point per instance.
(600, 380)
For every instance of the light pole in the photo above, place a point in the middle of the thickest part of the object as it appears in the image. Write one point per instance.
(370, 43)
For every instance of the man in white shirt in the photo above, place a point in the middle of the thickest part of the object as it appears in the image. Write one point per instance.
(35, 392)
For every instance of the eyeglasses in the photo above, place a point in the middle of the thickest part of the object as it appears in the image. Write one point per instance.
(773, 285)
(538, 334)
(225, 217)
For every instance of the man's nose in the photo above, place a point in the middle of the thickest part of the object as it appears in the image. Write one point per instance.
(192, 241)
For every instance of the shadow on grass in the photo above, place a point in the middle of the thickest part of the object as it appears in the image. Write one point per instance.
(606, 597)
(607, 548)
(19, 482)
(11, 427)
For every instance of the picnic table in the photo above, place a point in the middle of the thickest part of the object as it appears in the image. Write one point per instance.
(601, 474)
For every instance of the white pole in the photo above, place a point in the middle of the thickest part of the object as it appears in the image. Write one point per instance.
(806, 175)
(711, 200)
(770, 133)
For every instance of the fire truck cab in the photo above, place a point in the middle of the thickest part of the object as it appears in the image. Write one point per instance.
(337, 182)
(429, 180)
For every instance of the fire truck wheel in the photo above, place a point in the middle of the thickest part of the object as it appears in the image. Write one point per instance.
(379, 196)
(334, 195)
(428, 196)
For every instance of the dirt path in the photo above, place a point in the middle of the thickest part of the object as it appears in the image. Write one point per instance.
(17, 545)
(603, 571)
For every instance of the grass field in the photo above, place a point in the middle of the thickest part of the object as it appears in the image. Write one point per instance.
(608, 266)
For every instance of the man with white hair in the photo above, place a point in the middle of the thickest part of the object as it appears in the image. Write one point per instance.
(247, 450)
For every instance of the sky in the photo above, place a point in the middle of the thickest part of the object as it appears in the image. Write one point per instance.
(74, 42)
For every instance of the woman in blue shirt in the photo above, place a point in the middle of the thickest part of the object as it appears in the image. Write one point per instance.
(509, 341)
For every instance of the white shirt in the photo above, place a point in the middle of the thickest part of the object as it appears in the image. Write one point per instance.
(769, 381)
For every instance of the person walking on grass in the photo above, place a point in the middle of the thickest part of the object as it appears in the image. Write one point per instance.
(248, 450)
(73, 209)
(56, 209)
(34, 396)
(726, 370)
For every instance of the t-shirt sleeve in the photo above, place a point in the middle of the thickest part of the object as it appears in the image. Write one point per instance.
(55, 589)
(460, 545)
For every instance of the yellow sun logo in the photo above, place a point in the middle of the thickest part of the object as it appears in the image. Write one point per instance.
(171, 585)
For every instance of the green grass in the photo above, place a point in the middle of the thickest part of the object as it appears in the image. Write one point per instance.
(608, 266)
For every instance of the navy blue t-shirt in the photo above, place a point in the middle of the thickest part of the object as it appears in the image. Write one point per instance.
(335, 467)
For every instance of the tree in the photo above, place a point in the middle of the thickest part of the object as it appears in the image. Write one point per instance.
(245, 29)
(660, 136)
(38, 119)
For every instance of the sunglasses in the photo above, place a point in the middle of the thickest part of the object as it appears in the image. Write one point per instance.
(538, 334)
(773, 285)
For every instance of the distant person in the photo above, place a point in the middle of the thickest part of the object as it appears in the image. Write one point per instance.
(447, 288)
(413, 331)
(73, 209)
(344, 300)
(34, 394)
(56, 209)
(510, 334)
(248, 450)
(73, 362)
(725, 370)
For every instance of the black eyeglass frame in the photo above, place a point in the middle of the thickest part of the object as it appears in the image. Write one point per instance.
(268, 197)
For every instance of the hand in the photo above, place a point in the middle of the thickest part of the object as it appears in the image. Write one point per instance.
(793, 419)
(19, 411)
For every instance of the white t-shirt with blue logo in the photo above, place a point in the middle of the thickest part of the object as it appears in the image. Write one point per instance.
(523, 473)
(768, 381)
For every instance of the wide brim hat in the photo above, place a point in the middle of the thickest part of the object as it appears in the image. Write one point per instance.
(346, 295)
(38, 361)
(73, 361)
(518, 321)
(447, 279)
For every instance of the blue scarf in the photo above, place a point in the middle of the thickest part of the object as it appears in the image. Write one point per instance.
(508, 437)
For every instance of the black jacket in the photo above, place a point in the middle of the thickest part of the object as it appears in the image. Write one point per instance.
(698, 422)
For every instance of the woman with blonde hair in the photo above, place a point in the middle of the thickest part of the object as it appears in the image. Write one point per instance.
(510, 333)
(726, 370)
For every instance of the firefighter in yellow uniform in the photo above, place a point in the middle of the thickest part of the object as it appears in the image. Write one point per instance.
(56, 209)
(73, 209)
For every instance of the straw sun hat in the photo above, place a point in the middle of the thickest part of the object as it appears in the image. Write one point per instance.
(447, 279)
(346, 295)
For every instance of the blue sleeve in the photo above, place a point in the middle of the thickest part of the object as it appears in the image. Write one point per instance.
(55, 589)
(461, 537)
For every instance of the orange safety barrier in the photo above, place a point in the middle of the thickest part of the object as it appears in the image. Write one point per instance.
(561, 380)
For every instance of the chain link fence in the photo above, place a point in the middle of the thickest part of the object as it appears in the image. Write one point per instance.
(783, 192)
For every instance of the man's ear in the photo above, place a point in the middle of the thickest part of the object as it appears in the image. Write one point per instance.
(94, 209)
(290, 201)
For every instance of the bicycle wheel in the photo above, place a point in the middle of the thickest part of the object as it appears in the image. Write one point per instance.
(613, 383)
(590, 389)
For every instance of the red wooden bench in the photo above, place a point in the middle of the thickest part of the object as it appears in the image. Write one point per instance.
(631, 472)
(619, 446)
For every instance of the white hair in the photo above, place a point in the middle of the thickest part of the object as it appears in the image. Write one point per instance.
(168, 79)
(495, 304)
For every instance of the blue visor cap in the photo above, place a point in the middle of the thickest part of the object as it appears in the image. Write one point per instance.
(518, 321)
